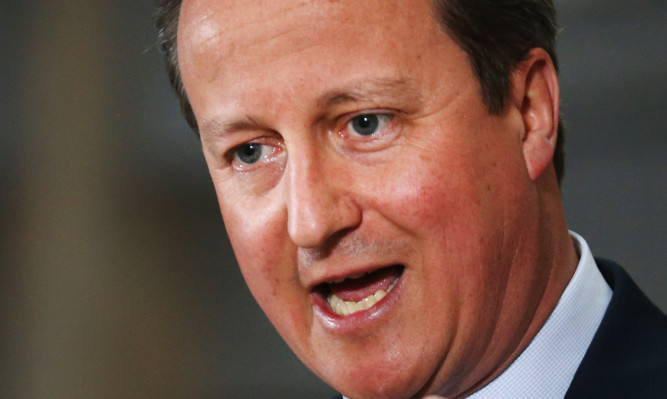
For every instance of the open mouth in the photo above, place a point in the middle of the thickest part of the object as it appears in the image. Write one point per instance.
(359, 292)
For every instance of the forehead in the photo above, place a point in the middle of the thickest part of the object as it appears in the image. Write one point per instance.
(237, 31)
(204, 20)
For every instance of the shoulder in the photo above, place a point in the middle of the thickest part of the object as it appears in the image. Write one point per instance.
(628, 356)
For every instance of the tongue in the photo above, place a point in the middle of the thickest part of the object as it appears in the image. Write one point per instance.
(358, 289)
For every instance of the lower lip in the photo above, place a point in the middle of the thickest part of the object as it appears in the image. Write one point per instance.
(361, 320)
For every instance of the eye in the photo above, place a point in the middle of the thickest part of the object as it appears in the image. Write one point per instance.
(250, 153)
(368, 124)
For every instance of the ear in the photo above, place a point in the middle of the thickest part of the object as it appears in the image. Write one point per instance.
(535, 93)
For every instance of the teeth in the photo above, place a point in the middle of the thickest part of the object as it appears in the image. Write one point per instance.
(344, 308)
(353, 277)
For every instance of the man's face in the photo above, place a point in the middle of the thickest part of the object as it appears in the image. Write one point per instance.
(349, 138)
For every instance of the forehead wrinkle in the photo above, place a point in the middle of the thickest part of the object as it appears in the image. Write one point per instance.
(263, 15)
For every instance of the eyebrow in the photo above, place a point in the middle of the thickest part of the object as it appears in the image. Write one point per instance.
(217, 128)
(366, 90)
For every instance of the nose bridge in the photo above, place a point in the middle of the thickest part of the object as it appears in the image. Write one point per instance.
(317, 203)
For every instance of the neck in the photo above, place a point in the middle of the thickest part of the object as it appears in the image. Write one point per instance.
(551, 258)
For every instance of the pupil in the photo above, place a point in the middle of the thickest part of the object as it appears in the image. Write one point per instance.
(366, 125)
(250, 153)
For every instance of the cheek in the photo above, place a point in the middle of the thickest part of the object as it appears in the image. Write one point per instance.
(430, 195)
(267, 261)
(256, 243)
(454, 216)
(257, 238)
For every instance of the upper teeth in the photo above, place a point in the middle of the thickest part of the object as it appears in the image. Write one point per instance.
(352, 277)
(344, 308)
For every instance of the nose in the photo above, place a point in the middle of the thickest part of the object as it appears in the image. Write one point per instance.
(320, 202)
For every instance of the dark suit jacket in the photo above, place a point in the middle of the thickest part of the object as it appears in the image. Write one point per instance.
(628, 356)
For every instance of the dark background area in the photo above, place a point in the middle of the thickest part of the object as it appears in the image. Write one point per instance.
(116, 277)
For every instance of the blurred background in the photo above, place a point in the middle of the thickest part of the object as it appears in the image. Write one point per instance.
(116, 277)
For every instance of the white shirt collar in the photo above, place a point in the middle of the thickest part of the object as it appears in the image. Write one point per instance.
(546, 367)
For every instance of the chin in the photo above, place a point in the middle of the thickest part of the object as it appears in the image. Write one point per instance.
(382, 378)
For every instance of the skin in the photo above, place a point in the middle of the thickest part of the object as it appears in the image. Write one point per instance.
(466, 201)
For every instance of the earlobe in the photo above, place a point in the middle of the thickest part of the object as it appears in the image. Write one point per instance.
(538, 151)
(536, 94)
